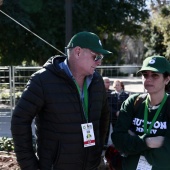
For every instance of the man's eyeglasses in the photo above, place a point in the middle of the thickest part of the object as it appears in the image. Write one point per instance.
(97, 56)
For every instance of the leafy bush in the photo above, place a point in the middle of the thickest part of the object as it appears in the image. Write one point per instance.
(3, 86)
(6, 144)
(5, 95)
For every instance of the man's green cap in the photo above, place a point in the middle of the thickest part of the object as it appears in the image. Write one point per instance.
(156, 63)
(87, 40)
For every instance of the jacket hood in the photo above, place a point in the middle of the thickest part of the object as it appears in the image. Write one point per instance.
(53, 62)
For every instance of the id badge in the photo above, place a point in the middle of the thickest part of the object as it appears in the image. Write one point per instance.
(88, 134)
(143, 164)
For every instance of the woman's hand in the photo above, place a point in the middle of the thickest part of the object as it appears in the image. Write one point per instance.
(154, 142)
(131, 133)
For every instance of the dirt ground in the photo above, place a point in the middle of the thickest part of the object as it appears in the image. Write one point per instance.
(8, 162)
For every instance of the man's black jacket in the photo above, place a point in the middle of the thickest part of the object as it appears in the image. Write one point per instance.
(51, 97)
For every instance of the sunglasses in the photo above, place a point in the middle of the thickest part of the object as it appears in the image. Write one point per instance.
(97, 56)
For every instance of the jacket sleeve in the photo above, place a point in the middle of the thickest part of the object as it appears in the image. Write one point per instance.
(114, 101)
(105, 117)
(159, 157)
(28, 106)
(122, 140)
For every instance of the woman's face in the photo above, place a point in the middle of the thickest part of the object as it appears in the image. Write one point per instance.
(154, 82)
(117, 86)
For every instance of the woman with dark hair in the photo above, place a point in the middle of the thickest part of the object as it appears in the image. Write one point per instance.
(142, 131)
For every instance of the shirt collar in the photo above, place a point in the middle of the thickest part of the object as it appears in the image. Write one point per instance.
(65, 67)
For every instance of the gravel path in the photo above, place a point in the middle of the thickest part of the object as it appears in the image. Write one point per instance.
(8, 161)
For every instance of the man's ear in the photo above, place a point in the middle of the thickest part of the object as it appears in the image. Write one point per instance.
(77, 50)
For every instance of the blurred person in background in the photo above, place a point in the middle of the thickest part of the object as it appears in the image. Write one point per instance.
(107, 84)
(118, 96)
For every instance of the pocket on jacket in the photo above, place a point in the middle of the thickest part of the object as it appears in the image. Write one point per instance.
(48, 152)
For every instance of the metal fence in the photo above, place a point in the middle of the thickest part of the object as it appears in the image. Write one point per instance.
(13, 80)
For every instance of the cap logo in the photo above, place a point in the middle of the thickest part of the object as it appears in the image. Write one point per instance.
(100, 42)
(152, 61)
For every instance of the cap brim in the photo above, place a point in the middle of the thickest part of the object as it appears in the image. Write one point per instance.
(101, 51)
(149, 69)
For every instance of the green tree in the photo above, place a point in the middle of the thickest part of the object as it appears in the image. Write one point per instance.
(47, 19)
(161, 20)
(153, 40)
(156, 31)
(20, 45)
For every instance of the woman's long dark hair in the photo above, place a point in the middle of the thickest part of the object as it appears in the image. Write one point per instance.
(167, 87)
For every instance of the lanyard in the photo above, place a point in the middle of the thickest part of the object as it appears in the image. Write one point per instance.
(147, 131)
(85, 101)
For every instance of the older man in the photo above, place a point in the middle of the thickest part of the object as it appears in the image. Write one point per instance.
(68, 100)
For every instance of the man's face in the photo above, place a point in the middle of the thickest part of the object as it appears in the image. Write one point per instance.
(88, 62)
(107, 83)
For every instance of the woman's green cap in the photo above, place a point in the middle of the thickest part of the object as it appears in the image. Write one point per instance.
(156, 63)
